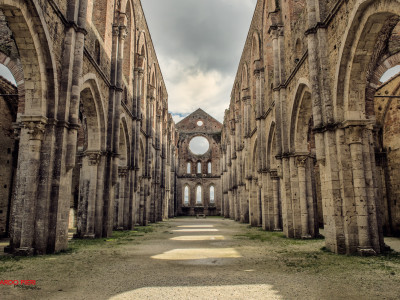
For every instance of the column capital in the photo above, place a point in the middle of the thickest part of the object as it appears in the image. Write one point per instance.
(354, 134)
(122, 171)
(36, 126)
(93, 157)
(274, 174)
(123, 32)
(301, 161)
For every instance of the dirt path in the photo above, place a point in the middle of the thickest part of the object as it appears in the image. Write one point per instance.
(204, 259)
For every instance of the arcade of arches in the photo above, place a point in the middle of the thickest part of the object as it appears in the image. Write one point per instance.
(311, 137)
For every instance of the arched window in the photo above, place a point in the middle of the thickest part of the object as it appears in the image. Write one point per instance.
(212, 197)
(198, 167)
(209, 167)
(198, 195)
(186, 195)
(188, 168)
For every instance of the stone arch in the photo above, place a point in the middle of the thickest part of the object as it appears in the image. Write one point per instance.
(271, 150)
(36, 55)
(300, 118)
(15, 67)
(91, 146)
(253, 170)
(96, 109)
(142, 51)
(255, 47)
(124, 149)
(302, 147)
(199, 194)
(211, 193)
(152, 76)
(272, 210)
(244, 77)
(199, 167)
(186, 194)
(369, 27)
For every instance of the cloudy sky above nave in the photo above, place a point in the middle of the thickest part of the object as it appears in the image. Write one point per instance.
(198, 44)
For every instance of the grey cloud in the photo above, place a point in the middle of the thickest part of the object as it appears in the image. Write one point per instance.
(198, 44)
(211, 31)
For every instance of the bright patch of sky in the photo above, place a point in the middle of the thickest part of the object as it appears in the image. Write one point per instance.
(199, 145)
(5, 72)
(390, 73)
(198, 45)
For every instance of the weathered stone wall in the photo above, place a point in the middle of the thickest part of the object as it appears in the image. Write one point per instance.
(303, 129)
(210, 129)
(92, 121)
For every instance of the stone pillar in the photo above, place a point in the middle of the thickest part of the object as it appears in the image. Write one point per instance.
(276, 199)
(266, 202)
(123, 205)
(100, 193)
(301, 171)
(294, 192)
(24, 204)
(254, 206)
(354, 139)
(87, 195)
(287, 209)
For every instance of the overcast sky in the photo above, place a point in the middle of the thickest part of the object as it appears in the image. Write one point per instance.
(198, 44)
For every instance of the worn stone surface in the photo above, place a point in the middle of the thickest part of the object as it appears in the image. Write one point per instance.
(96, 141)
(199, 172)
(305, 115)
(310, 136)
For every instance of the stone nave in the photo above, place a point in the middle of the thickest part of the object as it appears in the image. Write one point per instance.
(310, 138)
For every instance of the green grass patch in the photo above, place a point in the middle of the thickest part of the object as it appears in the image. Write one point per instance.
(118, 238)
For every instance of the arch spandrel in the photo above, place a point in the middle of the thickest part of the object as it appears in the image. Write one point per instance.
(125, 139)
(271, 147)
(36, 55)
(300, 114)
(95, 99)
(355, 55)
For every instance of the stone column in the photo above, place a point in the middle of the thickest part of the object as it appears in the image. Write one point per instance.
(276, 199)
(87, 195)
(123, 213)
(100, 193)
(302, 179)
(287, 209)
(354, 139)
(295, 201)
(117, 105)
(253, 202)
(24, 204)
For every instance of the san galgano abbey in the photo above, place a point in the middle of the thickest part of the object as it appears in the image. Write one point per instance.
(310, 141)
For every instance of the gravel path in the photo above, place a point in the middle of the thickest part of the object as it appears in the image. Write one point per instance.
(211, 258)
